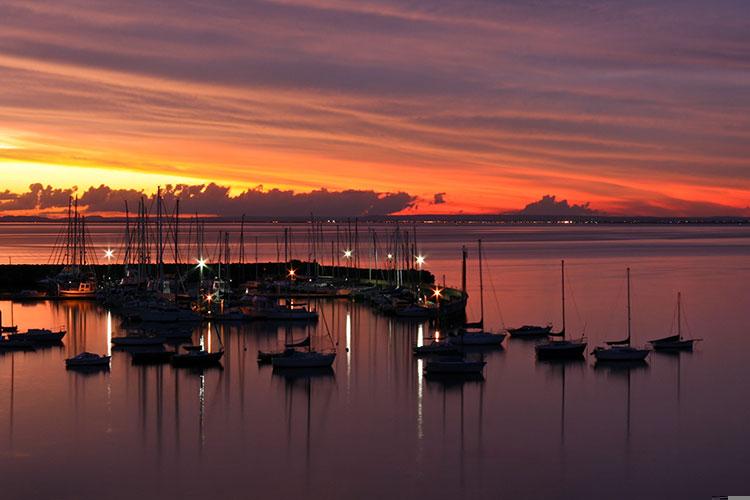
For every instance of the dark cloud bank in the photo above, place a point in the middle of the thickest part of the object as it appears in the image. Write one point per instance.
(549, 205)
(213, 199)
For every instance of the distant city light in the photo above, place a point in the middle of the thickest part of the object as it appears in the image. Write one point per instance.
(108, 254)
(201, 263)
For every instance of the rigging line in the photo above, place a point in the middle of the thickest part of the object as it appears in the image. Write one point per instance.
(610, 319)
(497, 300)
(573, 299)
(684, 316)
(674, 318)
(56, 249)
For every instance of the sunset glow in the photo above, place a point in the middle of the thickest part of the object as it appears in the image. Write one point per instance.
(445, 103)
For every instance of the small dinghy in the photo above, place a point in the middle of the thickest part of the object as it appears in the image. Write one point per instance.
(87, 359)
(137, 340)
(453, 365)
(675, 342)
(563, 348)
(621, 350)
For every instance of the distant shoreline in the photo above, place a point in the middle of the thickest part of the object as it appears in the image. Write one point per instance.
(426, 219)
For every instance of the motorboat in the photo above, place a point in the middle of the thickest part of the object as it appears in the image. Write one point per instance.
(39, 335)
(87, 359)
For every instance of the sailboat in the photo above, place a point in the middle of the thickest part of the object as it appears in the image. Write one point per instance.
(562, 348)
(198, 356)
(453, 365)
(292, 358)
(675, 342)
(479, 337)
(621, 350)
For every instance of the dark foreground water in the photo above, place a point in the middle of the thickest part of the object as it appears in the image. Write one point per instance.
(676, 427)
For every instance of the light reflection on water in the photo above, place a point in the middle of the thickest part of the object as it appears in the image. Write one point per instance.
(674, 427)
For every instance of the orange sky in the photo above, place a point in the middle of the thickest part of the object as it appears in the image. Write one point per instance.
(493, 105)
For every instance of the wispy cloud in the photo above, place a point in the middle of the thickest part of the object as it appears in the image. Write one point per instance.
(613, 102)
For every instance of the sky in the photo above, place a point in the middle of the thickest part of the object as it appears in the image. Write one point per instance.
(633, 107)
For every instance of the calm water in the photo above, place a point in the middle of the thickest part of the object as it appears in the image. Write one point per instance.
(675, 428)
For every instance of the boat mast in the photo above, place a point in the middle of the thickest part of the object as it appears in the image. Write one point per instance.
(562, 274)
(628, 273)
(463, 270)
(481, 287)
(679, 315)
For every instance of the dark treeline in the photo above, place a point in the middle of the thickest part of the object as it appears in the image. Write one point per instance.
(16, 277)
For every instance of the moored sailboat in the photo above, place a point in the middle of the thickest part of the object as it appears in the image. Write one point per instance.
(478, 336)
(563, 348)
(675, 342)
(621, 350)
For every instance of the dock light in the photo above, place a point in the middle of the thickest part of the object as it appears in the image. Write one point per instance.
(108, 254)
(201, 263)
(437, 334)
(292, 273)
(420, 260)
(437, 292)
(348, 254)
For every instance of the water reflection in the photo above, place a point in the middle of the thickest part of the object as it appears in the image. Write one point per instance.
(436, 436)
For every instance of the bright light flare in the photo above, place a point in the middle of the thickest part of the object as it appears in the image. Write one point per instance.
(348, 254)
(109, 254)
(420, 260)
(437, 292)
(201, 263)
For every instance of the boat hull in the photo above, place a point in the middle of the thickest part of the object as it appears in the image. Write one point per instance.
(672, 345)
(560, 350)
(75, 363)
(39, 337)
(137, 341)
(304, 360)
(480, 339)
(620, 354)
(536, 332)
